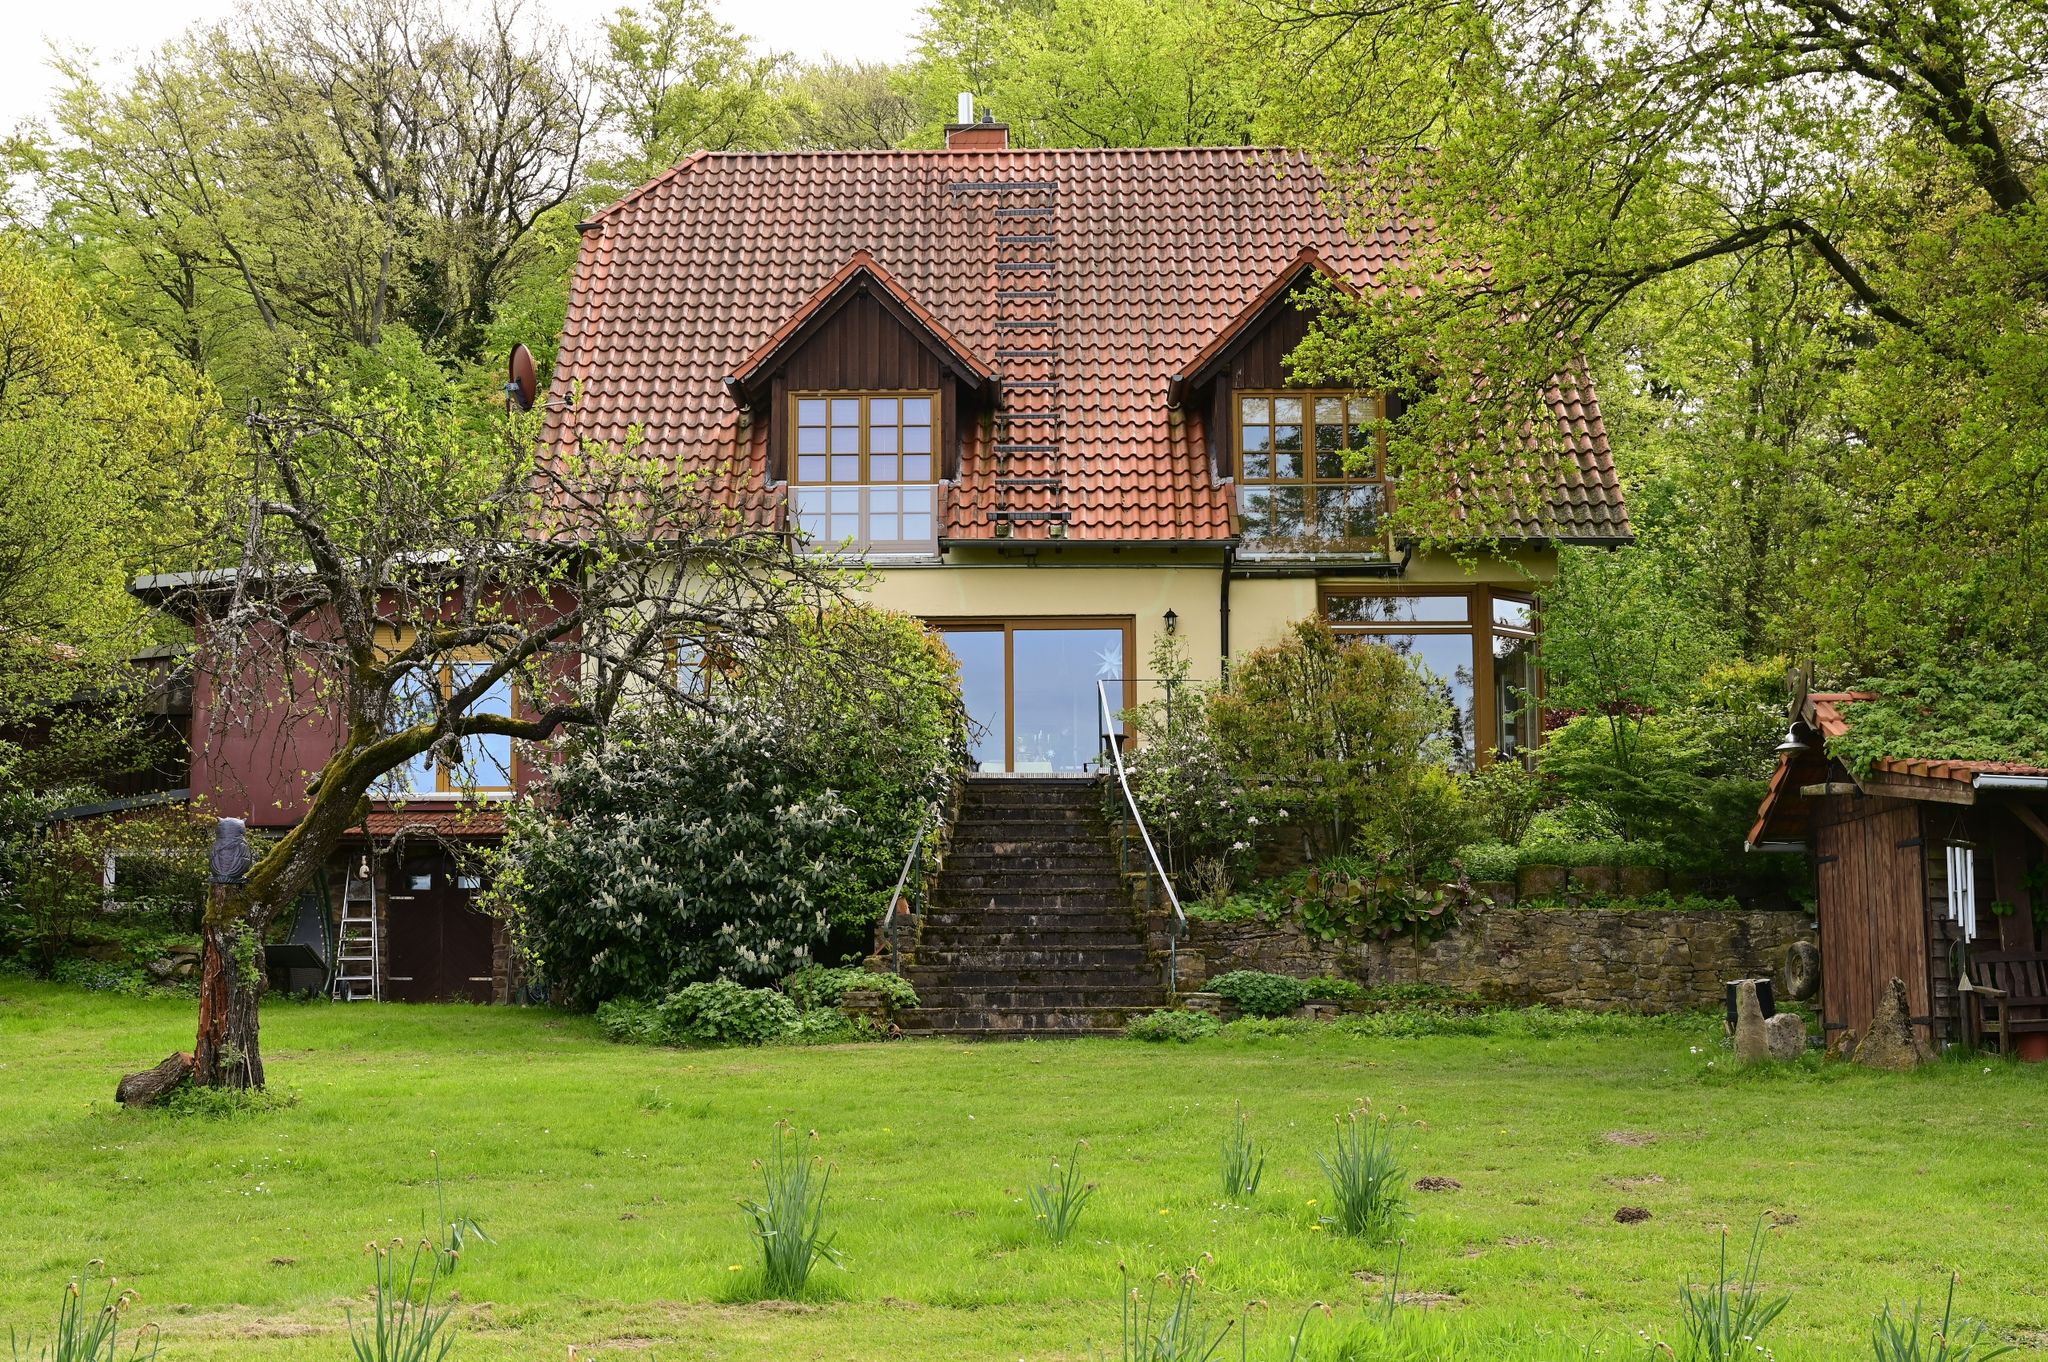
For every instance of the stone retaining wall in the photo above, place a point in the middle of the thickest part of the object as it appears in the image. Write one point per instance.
(1644, 961)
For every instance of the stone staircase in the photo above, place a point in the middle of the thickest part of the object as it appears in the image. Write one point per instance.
(1031, 930)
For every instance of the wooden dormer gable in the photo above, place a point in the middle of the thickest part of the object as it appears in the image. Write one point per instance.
(1251, 351)
(862, 332)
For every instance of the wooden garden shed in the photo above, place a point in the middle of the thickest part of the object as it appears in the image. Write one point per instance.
(1931, 871)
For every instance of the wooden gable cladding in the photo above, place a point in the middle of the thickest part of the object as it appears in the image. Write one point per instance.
(861, 346)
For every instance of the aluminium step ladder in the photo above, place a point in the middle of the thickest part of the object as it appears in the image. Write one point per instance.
(357, 969)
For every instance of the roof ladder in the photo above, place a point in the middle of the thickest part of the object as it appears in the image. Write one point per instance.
(1030, 454)
(357, 972)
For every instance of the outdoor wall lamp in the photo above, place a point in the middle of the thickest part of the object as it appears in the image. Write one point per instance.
(1172, 621)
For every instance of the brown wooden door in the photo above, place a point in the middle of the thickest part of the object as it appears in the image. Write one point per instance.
(438, 945)
(1873, 924)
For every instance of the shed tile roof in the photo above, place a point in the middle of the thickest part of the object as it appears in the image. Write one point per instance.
(1829, 719)
(438, 820)
(1782, 816)
(1154, 253)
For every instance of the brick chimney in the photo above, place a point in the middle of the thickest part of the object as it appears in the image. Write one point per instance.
(968, 135)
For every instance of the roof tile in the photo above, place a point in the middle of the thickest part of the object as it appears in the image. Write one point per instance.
(1155, 253)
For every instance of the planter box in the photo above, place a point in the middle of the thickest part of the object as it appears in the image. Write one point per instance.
(1500, 893)
(1541, 881)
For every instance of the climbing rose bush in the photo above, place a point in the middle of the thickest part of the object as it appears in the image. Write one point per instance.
(671, 850)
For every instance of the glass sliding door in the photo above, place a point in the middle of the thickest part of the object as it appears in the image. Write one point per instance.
(1030, 687)
(984, 687)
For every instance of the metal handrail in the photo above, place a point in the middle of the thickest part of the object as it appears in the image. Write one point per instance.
(1110, 739)
(931, 814)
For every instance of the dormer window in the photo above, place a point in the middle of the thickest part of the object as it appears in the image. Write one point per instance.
(1310, 471)
(865, 474)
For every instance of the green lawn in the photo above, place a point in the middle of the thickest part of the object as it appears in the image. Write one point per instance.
(608, 1176)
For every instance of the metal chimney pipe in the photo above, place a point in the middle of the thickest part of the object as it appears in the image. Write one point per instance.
(966, 108)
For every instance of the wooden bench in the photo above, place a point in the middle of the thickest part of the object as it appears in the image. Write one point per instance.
(2005, 982)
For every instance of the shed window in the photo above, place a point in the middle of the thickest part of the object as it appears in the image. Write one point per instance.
(1310, 470)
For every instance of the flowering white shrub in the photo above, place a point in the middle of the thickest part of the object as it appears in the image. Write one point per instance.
(670, 851)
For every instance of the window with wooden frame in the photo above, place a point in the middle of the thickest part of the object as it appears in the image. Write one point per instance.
(1310, 470)
(864, 470)
(481, 764)
(1478, 644)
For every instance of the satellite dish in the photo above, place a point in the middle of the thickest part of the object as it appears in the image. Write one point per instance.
(521, 384)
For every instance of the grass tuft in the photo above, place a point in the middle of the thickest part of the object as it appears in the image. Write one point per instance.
(1726, 1320)
(790, 1222)
(1243, 1161)
(406, 1325)
(1899, 1338)
(1365, 1178)
(1057, 1203)
(88, 1333)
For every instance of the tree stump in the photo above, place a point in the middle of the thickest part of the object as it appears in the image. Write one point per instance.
(152, 1085)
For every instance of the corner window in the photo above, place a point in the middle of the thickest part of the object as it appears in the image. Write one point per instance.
(864, 473)
(481, 764)
(1309, 471)
(1478, 646)
(1514, 676)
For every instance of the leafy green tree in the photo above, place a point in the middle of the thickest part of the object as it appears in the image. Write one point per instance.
(675, 79)
(1335, 731)
(1571, 158)
(852, 106)
(1091, 73)
(412, 569)
(310, 175)
(103, 460)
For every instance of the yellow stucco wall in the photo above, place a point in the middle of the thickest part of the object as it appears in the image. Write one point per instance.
(1095, 582)
(1070, 584)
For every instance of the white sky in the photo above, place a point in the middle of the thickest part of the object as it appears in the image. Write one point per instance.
(870, 30)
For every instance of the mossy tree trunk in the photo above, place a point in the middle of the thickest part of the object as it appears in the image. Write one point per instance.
(228, 1052)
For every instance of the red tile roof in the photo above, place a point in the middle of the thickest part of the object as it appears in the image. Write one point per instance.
(1152, 255)
(437, 820)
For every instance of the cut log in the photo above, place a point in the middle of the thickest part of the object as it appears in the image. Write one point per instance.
(152, 1085)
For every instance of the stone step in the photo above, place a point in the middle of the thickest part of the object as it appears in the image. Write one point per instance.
(1120, 956)
(1022, 913)
(965, 887)
(975, 1022)
(1011, 854)
(988, 863)
(1012, 834)
(1043, 997)
(1084, 981)
(986, 943)
(1033, 815)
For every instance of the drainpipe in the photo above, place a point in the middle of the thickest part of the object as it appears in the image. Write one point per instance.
(1223, 606)
(1988, 781)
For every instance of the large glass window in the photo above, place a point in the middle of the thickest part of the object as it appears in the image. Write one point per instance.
(864, 470)
(1309, 471)
(1478, 647)
(480, 763)
(1030, 688)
